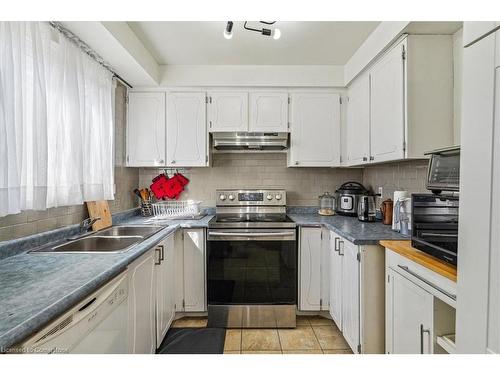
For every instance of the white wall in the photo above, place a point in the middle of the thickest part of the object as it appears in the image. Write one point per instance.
(253, 75)
(457, 84)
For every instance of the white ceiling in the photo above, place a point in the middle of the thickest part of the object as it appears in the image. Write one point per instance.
(301, 43)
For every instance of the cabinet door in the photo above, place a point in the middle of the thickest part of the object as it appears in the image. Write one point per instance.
(146, 129)
(314, 130)
(142, 304)
(350, 293)
(228, 111)
(165, 298)
(325, 270)
(269, 111)
(358, 121)
(194, 270)
(408, 316)
(186, 130)
(475, 30)
(335, 280)
(387, 96)
(310, 266)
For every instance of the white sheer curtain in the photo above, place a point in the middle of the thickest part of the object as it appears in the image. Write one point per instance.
(56, 123)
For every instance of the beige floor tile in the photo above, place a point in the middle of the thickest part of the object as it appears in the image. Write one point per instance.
(190, 323)
(302, 352)
(261, 352)
(302, 321)
(259, 339)
(300, 338)
(232, 352)
(320, 321)
(338, 351)
(233, 340)
(329, 337)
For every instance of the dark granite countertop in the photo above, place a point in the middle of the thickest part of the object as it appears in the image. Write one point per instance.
(358, 232)
(36, 288)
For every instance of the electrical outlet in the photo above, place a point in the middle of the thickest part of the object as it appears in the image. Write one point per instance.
(381, 191)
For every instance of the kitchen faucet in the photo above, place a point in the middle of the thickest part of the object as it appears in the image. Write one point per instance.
(87, 223)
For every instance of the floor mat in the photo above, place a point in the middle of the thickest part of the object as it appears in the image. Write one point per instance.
(193, 341)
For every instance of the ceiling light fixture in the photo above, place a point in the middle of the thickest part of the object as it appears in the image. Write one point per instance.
(274, 33)
(228, 31)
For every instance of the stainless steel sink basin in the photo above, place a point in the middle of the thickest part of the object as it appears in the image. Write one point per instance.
(116, 239)
(130, 230)
(97, 244)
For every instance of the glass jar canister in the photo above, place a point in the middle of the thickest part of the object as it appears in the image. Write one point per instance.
(326, 204)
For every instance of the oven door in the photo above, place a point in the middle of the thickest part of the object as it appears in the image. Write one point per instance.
(252, 266)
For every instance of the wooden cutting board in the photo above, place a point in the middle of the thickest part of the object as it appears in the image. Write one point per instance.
(100, 209)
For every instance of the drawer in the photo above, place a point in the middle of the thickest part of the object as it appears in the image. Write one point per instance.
(439, 286)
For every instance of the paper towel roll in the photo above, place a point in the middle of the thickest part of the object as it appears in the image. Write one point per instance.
(397, 195)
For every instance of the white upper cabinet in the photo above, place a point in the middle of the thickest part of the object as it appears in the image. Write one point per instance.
(268, 111)
(314, 130)
(388, 106)
(474, 31)
(409, 107)
(146, 129)
(310, 269)
(186, 129)
(358, 121)
(228, 111)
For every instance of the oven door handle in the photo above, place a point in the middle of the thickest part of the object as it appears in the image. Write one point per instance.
(251, 234)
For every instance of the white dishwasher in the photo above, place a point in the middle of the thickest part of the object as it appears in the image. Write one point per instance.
(97, 325)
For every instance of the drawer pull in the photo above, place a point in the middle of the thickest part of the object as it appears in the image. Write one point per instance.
(405, 268)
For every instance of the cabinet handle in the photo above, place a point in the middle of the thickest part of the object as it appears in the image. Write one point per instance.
(173, 161)
(210, 123)
(337, 247)
(422, 331)
(432, 285)
(162, 252)
(161, 161)
(372, 158)
(158, 250)
(341, 253)
(365, 158)
(296, 163)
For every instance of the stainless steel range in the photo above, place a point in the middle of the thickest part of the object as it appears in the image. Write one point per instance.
(252, 261)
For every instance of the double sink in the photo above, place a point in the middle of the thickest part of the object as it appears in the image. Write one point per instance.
(115, 239)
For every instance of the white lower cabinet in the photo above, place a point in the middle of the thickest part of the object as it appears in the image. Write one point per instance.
(165, 293)
(335, 280)
(191, 287)
(151, 297)
(350, 294)
(409, 316)
(311, 282)
(420, 308)
(141, 299)
(356, 292)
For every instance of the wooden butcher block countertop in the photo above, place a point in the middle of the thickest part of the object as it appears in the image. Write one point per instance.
(405, 249)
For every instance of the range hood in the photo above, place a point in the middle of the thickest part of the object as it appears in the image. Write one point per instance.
(249, 142)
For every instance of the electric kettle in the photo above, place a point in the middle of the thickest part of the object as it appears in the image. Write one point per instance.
(366, 208)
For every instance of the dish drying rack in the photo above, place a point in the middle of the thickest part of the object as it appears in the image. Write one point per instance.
(164, 210)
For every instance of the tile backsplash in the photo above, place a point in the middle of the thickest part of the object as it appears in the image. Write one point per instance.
(405, 175)
(126, 179)
(303, 185)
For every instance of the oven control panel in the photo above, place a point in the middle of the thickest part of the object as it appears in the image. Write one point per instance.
(268, 197)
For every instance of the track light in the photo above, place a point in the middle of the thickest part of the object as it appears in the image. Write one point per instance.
(228, 31)
(274, 33)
